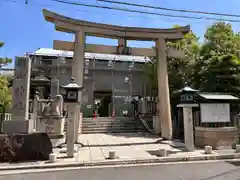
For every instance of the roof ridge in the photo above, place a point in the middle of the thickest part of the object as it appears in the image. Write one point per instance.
(53, 52)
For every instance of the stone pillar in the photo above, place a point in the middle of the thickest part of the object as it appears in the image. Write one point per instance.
(54, 86)
(55, 78)
(77, 72)
(144, 105)
(188, 128)
(35, 111)
(163, 90)
(71, 127)
(156, 124)
(20, 98)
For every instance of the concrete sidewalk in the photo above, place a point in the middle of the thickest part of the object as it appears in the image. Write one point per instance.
(127, 146)
(130, 149)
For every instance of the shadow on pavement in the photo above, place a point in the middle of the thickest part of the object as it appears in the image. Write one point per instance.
(121, 144)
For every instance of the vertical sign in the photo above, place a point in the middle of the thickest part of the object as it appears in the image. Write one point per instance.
(21, 85)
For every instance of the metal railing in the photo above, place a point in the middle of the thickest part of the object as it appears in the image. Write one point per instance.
(6, 116)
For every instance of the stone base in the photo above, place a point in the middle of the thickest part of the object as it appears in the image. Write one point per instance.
(11, 126)
(156, 124)
(57, 139)
(51, 125)
(223, 137)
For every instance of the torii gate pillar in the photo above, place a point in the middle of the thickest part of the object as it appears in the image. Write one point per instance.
(163, 90)
(77, 72)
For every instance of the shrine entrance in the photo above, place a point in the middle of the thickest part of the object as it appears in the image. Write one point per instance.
(81, 29)
(102, 102)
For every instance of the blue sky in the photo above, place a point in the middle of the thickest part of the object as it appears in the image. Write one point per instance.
(23, 28)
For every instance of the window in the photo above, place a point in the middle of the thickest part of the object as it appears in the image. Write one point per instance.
(189, 98)
(183, 98)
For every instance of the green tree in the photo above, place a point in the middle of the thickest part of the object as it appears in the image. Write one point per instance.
(5, 95)
(6, 60)
(217, 69)
(179, 70)
(151, 73)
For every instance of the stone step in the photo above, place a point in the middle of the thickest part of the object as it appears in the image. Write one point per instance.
(119, 127)
(105, 125)
(114, 120)
(111, 124)
(105, 132)
(111, 120)
(111, 131)
(107, 120)
(113, 127)
(107, 129)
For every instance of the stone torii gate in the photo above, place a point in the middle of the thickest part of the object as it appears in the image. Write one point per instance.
(81, 29)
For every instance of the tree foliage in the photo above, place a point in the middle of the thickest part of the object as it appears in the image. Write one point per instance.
(179, 70)
(212, 66)
(5, 95)
(1, 44)
(4, 60)
(5, 91)
(218, 66)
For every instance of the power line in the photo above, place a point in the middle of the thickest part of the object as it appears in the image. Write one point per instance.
(167, 19)
(143, 12)
(170, 9)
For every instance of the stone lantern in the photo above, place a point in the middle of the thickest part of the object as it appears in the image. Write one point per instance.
(70, 91)
(186, 95)
(40, 82)
(187, 100)
(70, 96)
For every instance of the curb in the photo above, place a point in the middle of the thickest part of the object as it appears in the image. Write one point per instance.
(125, 162)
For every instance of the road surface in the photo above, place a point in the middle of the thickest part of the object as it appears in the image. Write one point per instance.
(186, 171)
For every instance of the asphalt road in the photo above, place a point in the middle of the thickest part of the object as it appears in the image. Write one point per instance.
(184, 171)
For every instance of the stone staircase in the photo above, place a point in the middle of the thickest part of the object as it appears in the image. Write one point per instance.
(109, 125)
